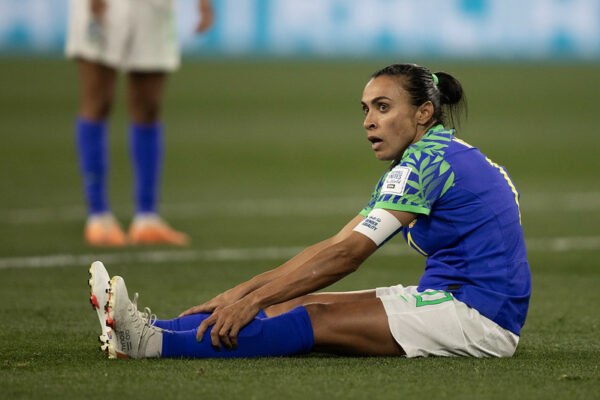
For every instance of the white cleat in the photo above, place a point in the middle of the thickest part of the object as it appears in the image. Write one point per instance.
(99, 283)
(134, 331)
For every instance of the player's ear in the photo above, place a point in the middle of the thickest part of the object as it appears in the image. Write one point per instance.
(424, 113)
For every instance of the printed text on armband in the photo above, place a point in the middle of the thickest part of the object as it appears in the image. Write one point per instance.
(371, 222)
(379, 226)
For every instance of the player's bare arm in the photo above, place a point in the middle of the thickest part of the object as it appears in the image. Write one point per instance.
(207, 16)
(326, 267)
(234, 294)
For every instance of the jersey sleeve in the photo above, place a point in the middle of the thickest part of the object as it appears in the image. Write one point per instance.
(415, 184)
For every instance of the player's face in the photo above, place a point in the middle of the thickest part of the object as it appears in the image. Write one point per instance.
(390, 120)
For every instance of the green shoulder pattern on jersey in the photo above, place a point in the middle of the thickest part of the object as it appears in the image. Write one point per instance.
(430, 175)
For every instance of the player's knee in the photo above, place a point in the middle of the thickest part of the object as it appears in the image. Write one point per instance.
(325, 328)
(146, 113)
(317, 313)
(96, 109)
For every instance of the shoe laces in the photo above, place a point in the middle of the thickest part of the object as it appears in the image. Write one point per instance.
(145, 322)
(146, 316)
(149, 316)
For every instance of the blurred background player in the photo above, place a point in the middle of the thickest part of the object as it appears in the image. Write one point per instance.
(139, 38)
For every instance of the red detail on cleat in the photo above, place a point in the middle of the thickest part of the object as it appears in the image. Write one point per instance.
(94, 301)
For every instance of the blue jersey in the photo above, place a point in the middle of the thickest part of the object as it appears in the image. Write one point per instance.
(468, 224)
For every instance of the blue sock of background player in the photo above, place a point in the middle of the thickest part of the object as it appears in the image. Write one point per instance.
(146, 147)
(93, 162)
(146, 153)
(286, 334)
(190, 321)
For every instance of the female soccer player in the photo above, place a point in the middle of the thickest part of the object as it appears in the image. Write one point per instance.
(454, 206)
(138, 37)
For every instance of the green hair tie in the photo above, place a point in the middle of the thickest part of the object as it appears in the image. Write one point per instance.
(435, 79)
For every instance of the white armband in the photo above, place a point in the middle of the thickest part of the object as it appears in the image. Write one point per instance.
(379, 226)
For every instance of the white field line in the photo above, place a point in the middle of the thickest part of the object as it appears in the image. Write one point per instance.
(274, 207)
(249, 207)
(552, 245)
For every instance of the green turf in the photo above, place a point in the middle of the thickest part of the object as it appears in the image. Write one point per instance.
(288, 134)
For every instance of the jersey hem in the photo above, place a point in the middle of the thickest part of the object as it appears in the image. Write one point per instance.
(403, 207)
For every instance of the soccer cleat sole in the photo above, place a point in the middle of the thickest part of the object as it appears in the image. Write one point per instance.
(91, 282)
(104, 337)
(93, 299)
(110, 350)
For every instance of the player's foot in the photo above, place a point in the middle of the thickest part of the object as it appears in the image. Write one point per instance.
(150, 229)
(135, 337)
(103, 230)
(99, 286)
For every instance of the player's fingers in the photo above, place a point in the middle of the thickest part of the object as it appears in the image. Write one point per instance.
(202, 308)
(203, 327)
(200, 28)
(233, 336)
(224, 336)
(207, 18)
(214, 336)
(189, 311)
(206, 23)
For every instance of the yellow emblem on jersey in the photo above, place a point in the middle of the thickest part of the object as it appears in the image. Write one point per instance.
(410, 240)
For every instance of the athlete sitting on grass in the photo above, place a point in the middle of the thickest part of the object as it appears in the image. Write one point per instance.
(453, 205)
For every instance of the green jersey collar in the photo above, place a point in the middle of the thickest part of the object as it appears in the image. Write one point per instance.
(436, 139)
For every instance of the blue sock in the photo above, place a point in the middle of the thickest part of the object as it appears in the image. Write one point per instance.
(146, 147)
(286, 334)
(190, 321)
(93, 162)
(182, 324)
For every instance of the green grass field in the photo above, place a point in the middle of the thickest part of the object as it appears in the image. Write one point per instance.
(263, 158)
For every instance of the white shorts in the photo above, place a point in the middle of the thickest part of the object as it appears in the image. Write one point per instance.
(434, 323)
(134, 35)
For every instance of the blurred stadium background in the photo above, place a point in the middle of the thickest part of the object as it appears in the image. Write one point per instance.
(266, 154)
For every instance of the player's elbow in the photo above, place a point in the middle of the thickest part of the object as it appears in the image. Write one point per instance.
(347, 257)
(354, 250)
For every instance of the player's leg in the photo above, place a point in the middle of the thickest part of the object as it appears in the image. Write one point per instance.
(354, 327)
(96, 98)
(144, 96)
(193, 321)
(136, 337)
(97, 90)
(189, 322)
(349, 327)
(145, 92)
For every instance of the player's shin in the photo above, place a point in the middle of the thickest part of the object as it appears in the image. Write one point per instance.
(189, 322)
(286, 334)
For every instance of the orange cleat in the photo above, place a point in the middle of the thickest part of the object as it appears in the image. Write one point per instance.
(151, 230)
(103, 230)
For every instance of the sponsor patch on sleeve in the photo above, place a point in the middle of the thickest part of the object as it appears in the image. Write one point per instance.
(395, 181)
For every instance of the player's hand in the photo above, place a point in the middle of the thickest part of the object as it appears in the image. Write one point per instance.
(98, 8)
(207, 16)
(227, 323)
(222, 300)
